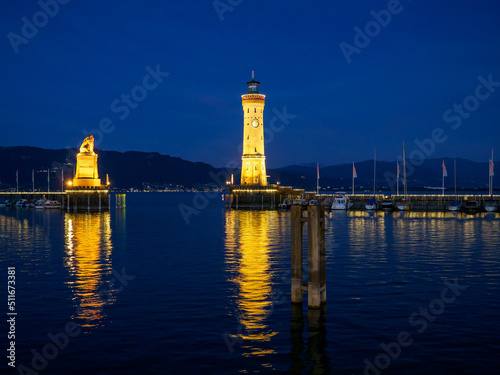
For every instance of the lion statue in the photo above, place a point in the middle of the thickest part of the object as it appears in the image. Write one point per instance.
(87, 145)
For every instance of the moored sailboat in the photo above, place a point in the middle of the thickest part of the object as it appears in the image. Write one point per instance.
(372, 203)
(490, 205)
(403, 205)
(454, 206)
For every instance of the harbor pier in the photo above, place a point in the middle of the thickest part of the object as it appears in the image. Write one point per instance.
(419, 202)
(14, 196)
(85, 199)
(72, 199)
(259, 197)
(270, 197)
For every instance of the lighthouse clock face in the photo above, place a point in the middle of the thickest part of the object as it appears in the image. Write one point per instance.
(255, 123)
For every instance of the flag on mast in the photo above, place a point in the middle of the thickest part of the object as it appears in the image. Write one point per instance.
(445, 174)
(354, 174)
(492, 166)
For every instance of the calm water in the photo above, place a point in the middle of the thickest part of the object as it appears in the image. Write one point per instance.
(154, 295)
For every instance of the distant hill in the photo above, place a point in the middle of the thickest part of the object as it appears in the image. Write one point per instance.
(125, 169)
(134, 169)
(470, 174)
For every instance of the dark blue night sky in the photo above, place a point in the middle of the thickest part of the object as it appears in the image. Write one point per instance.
(401, 84)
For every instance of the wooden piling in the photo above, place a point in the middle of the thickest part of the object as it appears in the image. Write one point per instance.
(316, 264)
(322, 254)
(296, 243)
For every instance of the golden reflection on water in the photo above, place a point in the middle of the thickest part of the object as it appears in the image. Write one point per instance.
(251, 237)
(88, 249)
(365, 229)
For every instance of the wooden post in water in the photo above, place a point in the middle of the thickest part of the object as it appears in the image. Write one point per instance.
(316, 263)
(296, 233)
(322, 254)
(316, 256)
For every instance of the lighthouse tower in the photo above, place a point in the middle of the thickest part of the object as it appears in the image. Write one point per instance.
(253, 161)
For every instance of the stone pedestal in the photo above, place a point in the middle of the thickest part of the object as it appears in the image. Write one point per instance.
(86, 170)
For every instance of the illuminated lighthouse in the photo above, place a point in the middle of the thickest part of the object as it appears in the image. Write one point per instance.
(253, 160)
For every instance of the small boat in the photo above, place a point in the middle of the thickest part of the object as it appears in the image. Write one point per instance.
(472, 207)
(3, 203)
(403, 205)
(47, 204)
(9, 203)
(21, 203)
(314, 202)
(341, 202)
(286, 204)
(454, 206)
(299, 202)
(371, 204)
(52, 204)
(490, 205)
(387, 205)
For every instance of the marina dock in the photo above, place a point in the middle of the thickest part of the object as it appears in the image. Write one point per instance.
(272, 196)
(74, 199)
(419, 202)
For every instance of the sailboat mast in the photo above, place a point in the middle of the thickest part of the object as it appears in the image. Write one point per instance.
(455, 175)
(352, 178)
(374, 168)
(404, 170)
(491, 175)
(397, 179)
